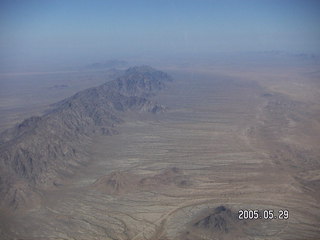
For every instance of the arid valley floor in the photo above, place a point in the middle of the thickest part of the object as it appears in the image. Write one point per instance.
(229, 139)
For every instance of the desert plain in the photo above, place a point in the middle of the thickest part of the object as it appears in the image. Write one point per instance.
(230, 138)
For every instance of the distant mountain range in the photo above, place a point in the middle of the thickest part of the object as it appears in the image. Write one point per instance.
(37, 151)
(106, 64)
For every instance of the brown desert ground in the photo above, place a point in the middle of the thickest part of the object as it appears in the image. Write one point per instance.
(230, 139)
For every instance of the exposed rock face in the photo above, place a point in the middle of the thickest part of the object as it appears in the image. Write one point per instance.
(16, 193)
(222, 223)
(40, 148)
(125, 182)
(221, 220)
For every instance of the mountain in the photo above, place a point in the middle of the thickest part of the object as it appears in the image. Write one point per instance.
(40, 149)
(221, 220)
(123, 182)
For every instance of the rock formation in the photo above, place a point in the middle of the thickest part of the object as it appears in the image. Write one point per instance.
(38, 150)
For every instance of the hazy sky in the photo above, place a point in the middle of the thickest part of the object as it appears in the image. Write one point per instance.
(56, 31)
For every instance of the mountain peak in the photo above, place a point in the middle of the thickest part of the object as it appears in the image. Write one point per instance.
(40, 148)
(140, 69)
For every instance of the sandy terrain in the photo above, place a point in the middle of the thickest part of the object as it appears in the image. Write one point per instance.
(246, 142)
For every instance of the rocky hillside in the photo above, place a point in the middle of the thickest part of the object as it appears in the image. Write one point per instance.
(38, 150)
(124, 182)
(221, 220)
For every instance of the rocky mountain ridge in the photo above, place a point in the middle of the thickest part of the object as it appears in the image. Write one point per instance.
(39, 149)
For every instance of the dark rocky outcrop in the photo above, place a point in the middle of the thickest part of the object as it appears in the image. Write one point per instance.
(221, 220)
(117, 183)
(41, 148)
